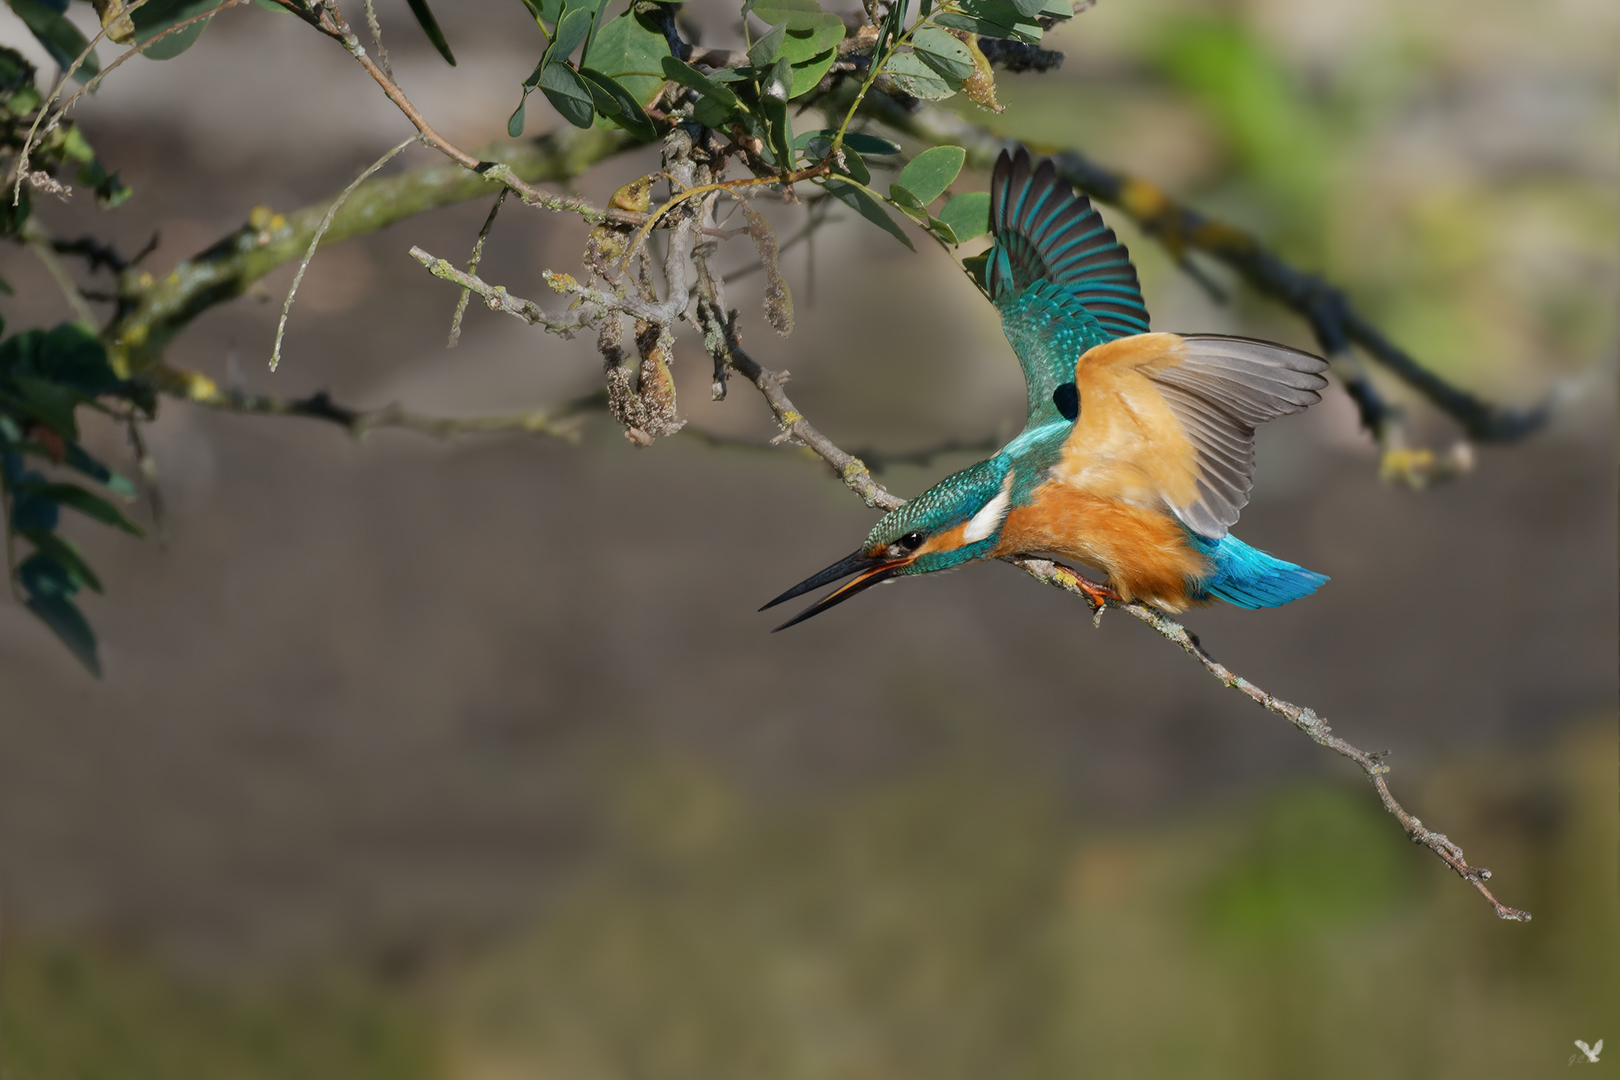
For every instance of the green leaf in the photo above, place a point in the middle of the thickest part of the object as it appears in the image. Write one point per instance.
(631, 52)
(808, 74)
(763, 53)
(854, 167)
(66, 554)
(572, 30)
(514, 123)
(569, 94)
(869, 208)
(65, 620)
(992, 19)
(927, 175)
(75, 497)
(1029, 9)
(916, 78)
(801, 46)
(617, 103)
(855, 140)
(975, 266)
(59, 37)
(968, 215)
(687, 75)
(430, 27)
(797, 14)
(942, 52)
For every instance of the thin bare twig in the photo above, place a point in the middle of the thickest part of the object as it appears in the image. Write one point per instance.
(329, 20)
(496, 298)
(1060, 576)
(472, 264)
(315, 242)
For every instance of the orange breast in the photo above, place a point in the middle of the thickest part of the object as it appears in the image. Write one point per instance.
(1144, 552)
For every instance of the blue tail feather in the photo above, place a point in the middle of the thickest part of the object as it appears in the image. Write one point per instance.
(1249, 578)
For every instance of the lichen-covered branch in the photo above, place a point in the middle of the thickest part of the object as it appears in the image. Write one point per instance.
(151, 313)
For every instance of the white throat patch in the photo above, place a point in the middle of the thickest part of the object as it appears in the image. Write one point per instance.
(994, 512)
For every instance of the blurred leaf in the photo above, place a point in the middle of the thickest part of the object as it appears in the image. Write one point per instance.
(113, 480)
(156, 16)
(41, 575)
(73, 355)
(968, 215)
(975, 266)
(64, 619)
(77, 498)
(916, 78)
(1029, 9)
(568, 94)
(927, 175)
(763, 53)
(59, 37)
(430, 27)
(49, 402)
(869, 208)
(66, 555)
(617, 103)
(631, 52)
(821, 140)
(796, 14)
(942, 52)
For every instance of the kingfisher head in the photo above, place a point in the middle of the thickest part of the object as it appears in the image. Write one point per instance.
(957, 520)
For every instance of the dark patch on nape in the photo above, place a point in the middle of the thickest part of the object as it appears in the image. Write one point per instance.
(1067, 400)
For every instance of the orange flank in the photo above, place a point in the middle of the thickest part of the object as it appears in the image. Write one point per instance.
(1127, 445)
(1104, 501)
(1144, 551)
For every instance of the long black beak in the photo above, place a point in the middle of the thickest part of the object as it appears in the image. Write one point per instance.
(872, 572)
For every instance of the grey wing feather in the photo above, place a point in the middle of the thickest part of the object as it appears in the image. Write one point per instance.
(1223, 387)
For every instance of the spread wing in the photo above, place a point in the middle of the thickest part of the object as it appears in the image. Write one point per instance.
(1060, 278)
(1167, 418)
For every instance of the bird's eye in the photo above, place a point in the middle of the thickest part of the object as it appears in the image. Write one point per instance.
(910, 542)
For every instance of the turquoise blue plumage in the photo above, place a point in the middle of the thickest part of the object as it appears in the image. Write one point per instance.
(1137, 451)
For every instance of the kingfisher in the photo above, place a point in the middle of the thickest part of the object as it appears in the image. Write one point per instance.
(1138, 450)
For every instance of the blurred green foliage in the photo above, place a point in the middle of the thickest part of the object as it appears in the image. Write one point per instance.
(83, 1011)
(950, 922)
